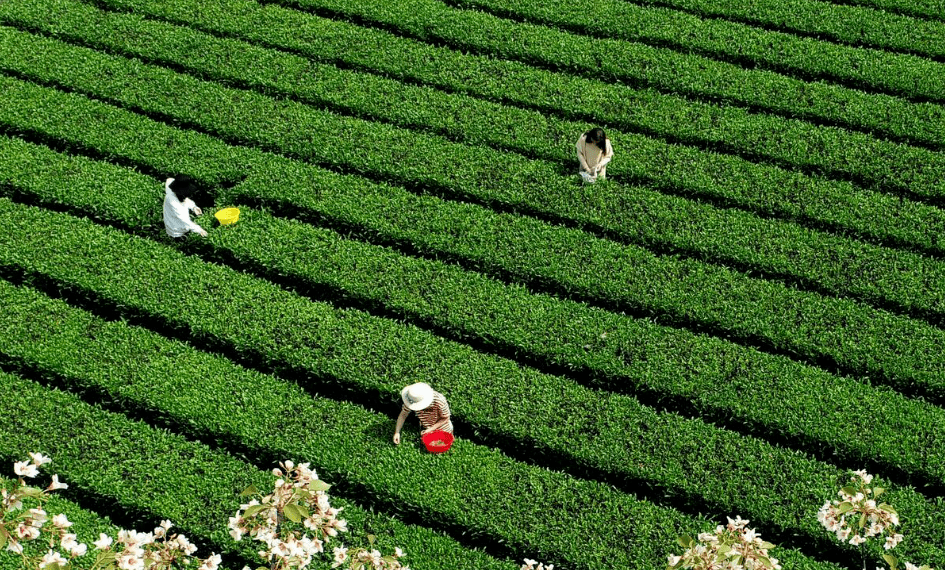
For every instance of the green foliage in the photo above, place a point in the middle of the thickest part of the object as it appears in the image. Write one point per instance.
(854, 336)
(154, 473)
(727, 40)
(353, 348)
(259, 80)
(847, 24)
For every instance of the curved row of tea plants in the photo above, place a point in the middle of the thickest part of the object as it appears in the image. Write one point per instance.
(930, 9)
(651, 218)
(496, 497)
(808, 325)
(810, 58)
(152, 474)
(324, 39)
(672, 167)
(471, 306)
(98, 355)
(629, 61)
(860, 26)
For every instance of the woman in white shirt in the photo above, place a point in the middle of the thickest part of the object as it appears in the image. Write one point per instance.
(178, 205)
(594, 152)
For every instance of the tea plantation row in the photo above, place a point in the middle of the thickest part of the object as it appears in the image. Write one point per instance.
(846, 24)
(323, 39)
(195, 486)
(676, 168)
(468, 306)
(348, 347)
(855, 337)
(871, 70)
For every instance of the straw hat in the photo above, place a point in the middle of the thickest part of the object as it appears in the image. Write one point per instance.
(417, 396)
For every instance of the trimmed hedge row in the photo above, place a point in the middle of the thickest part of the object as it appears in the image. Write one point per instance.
(652, 219)
(849, 24)
(324, 39)
(474, 488)
(165, 476)
(807, 325)
(879, 165)
(930, 9)
(177, 380)
(567, 334)
(809, 58)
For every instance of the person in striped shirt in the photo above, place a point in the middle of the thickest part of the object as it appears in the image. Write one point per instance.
(429, 405)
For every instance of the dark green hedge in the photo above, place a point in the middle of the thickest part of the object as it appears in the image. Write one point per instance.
(434, 22)
(848, 24)
(362, 350)
(803, 324)
(804, 57)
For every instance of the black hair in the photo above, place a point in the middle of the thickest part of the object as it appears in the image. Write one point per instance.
(597, 136)
(184, 187)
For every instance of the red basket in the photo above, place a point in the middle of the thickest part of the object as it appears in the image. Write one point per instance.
(446, 438)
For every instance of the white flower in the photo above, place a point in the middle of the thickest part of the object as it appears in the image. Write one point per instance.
(211, 563)
(56, 485)
(674, 560)
(68, 541)
(24, 469)
(341, 554)
(14, 546)
(864, 476)
(398, 552)
(78, 550)
(130, 562)
(843, 533)
(857, 540)
(739, 522)
(39, 459)
(892, 541)
(60, 521)
(27, 532)
(103, 542)
(910, 566)
(38, 517)
(52, 558)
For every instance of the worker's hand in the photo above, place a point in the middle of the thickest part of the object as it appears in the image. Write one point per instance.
(203, 233)
(198, 211)
(396, 439)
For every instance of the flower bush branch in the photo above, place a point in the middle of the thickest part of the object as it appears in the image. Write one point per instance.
(296, 521)
(730, 547)
(139, 551)
(856, 517)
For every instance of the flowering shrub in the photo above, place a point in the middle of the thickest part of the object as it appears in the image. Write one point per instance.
(296, 521)
(856, 517)
(19, 524)
(858, 503)
(730, 547)
(154, 551)
(530, 565)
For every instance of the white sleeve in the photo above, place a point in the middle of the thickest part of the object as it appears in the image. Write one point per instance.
(189, 204)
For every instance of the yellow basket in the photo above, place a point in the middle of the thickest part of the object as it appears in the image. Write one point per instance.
(228, 216)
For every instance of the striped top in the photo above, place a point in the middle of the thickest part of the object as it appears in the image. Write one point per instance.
(436, 411)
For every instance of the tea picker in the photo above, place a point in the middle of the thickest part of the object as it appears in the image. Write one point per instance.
(433, 412)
